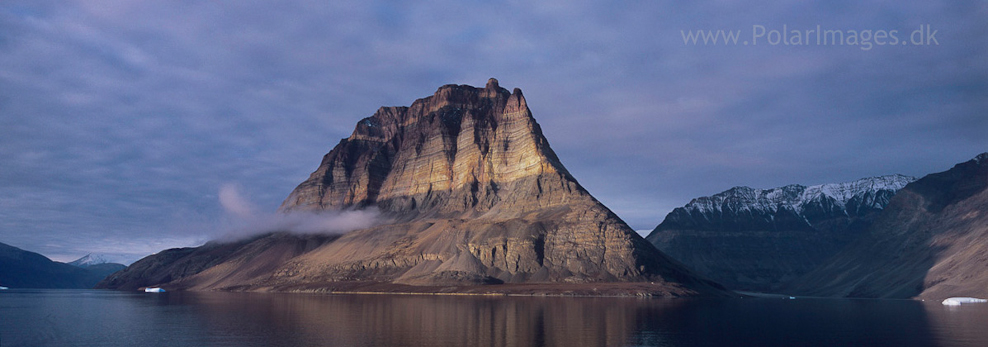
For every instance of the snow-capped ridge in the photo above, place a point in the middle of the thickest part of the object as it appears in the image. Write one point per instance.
(797, 197)
(981, 158)
(89, 260)
(844, 192)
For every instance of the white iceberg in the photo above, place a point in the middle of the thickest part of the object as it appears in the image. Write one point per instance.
(956, 301)
(153, 290)
(3, 288)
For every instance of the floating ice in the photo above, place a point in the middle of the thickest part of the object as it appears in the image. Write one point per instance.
(961, 300)
(154, 290)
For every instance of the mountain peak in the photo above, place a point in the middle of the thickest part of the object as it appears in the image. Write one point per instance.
(981, 158)
(405, 159)
(89, 260)
(492, 84)
(517, 103)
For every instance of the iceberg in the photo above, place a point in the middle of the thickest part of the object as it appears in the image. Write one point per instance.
(153, 290)
(3, 288)
(956, 301)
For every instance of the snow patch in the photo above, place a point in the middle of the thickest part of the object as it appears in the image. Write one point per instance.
(981, 158)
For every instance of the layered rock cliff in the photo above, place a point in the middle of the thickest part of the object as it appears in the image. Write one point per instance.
(458, 153)
(929, 242)
(470, 193)
(758, 239)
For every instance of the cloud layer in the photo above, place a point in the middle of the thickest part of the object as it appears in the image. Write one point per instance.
(244, 220)
(120, 120)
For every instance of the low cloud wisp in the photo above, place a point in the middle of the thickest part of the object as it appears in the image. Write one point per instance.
(243, 219)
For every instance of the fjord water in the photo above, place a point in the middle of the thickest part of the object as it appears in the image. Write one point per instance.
(110, 318)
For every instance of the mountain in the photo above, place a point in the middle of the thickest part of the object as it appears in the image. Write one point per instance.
(757, 239)
(97, 264)
(471, 195)
(24, 269)
(928, 243)
(89, 260)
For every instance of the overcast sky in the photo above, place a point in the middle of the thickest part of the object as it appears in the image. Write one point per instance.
(120, 121)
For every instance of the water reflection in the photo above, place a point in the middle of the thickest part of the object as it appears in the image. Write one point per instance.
(776, 322)
(386, 320)
(525, 321)
(104, 318)
(965, 325)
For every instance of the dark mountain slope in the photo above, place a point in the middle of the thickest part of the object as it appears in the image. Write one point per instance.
(758, 239)
(931, 242)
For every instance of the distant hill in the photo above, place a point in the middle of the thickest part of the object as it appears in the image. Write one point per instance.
(24, 269)
(98, 265)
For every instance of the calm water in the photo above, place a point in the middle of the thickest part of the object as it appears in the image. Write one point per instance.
(107, 318)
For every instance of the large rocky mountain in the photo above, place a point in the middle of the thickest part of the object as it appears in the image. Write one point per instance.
(470, 193)
(24, 269)
(758, 239)
(928, 243)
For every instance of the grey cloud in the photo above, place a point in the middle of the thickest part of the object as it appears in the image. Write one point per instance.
(119, 123)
